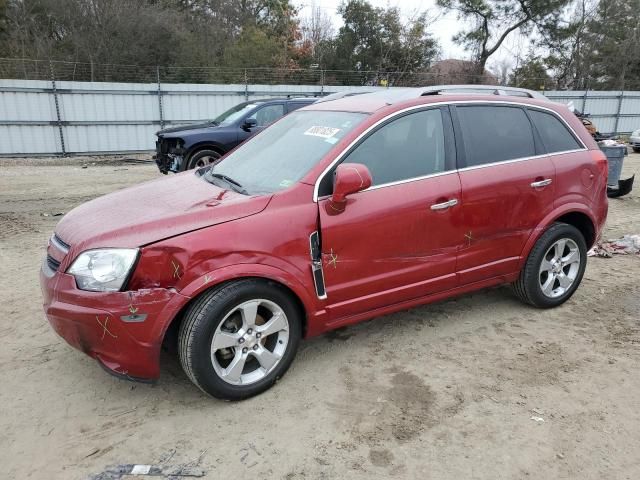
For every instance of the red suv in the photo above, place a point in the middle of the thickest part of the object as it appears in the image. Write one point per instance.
(339, 212)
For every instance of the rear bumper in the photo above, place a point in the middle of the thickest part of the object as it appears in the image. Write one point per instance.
(121, 330)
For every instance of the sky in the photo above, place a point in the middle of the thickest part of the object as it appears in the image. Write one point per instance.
(443, 29)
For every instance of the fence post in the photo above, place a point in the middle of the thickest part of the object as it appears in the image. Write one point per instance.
(57, 105)
(160, 98)
(322, 82)
(246, 86)
(584, 97)
(620, 98)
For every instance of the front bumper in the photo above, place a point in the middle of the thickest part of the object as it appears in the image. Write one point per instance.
(634, 142)
(122, 330)
(168, 162)
(169, 155)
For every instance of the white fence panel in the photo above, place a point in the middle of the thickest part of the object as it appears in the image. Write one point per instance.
(104, 117)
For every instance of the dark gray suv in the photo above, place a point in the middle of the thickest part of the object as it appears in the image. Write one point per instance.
(195, 146)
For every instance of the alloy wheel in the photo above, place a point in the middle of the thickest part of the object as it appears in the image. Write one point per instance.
(559, 268)
(249, 342)
(206, 161)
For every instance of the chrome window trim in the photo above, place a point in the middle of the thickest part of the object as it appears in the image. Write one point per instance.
(522, 159)
(391, 116)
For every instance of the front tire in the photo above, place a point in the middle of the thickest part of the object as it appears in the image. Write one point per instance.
(554, 269)
(203, 158)
(238, 340)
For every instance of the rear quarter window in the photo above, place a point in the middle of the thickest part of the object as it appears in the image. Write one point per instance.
(556, 137)
(495, 134)
(296, 105)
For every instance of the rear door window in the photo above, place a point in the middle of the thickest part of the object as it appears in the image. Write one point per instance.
(495, 134)
(556, 137)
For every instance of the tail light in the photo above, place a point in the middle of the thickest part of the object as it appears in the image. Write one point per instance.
(600, 159)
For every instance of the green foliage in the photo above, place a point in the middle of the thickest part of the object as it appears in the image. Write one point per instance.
(596, 46)
(531, 74)
(376, 39)
(254, 48)
(614, 41)
(494, 20)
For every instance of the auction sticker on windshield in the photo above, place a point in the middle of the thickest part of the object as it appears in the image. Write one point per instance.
(324, 132)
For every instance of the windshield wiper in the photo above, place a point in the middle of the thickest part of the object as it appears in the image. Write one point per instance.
(233, 183)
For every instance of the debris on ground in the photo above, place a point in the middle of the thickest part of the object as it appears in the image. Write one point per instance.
(537, 419)
(55, 214)
(627, 245)
(116, 472)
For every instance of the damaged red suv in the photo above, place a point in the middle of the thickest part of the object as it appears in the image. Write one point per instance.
(339, 212)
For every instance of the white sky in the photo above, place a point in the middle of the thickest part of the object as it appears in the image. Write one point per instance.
(442, 29)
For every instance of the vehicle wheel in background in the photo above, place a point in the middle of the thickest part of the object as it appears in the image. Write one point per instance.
(554, 268)
(237, 340)
(202, 158)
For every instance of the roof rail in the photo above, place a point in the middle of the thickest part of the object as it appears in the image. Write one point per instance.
(482, 90)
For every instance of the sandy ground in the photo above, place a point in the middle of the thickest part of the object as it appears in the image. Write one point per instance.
(447, 391)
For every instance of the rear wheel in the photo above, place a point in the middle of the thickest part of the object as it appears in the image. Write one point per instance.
(203, 158)
(554, 268)
(636, 149)
(236, 341)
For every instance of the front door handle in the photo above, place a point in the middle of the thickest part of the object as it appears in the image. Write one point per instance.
(444, 205)
(542, 183)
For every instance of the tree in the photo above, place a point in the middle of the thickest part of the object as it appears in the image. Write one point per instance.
(494, 20)
(377, 39)
(614, 36)
(532, 74)
(567, 45)
(317, 33)
(253, 48)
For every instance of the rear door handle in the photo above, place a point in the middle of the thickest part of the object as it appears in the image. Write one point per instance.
(443, 206)
(542, 183)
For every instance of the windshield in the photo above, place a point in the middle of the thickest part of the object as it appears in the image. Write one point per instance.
(233, 114)
(283, 153)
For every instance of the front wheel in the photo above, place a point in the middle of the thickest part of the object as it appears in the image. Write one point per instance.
(203, 158)
(554, 269)
(236, 341)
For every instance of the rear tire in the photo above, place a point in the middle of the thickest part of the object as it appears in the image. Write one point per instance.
(236, 341)
(636, 149)
(554, 268)
(202, 158)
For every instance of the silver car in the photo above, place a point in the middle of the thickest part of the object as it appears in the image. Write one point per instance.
(634, 140)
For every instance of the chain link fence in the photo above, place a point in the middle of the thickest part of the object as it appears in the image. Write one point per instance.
(27, 69)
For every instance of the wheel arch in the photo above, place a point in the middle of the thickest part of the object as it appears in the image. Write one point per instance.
(170, 331)
(583, 223)
(204, 145)
(577, 215)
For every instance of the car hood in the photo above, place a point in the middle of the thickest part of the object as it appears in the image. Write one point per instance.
(186, 128)
(154, 211)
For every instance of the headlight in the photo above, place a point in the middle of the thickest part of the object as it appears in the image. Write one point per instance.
(103, 270)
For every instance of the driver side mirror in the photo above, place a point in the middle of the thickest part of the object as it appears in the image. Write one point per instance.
(349, 178)
(249, 123)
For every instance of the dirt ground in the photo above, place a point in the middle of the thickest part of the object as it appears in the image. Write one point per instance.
(447, 391)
